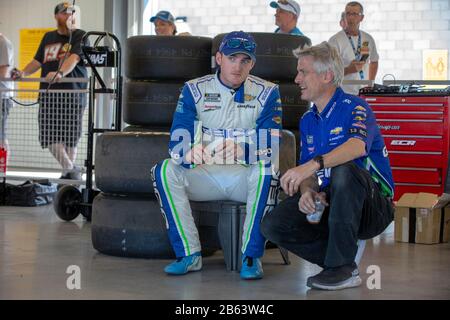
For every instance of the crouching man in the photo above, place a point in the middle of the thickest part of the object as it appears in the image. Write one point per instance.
(341, 146)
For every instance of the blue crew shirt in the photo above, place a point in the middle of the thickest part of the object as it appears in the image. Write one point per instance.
(346, 116)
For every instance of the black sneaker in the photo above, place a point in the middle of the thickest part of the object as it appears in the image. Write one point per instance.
(337, 278)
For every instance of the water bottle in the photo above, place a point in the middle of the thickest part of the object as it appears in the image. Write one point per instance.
(314, 218)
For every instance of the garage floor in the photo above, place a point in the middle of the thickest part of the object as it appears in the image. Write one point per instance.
(36, 249)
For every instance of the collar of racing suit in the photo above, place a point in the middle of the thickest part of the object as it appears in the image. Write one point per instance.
(238, 93)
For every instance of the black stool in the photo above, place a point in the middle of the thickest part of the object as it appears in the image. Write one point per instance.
(228, 217)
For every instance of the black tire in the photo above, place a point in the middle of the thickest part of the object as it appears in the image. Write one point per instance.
(130, 226)
(274, 58)
(123, 160)
(293, 105)
(67, 203)
(297, 143)
(150, 103)
(134, 128)
(288, 151)
(167, 57)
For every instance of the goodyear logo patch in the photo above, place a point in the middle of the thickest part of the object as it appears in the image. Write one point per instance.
(360, 108)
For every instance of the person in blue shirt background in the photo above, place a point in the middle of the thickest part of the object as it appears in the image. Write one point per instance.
(286, 16)
(344, 164)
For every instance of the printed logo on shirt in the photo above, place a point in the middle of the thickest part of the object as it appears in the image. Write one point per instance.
(208, 108)
(361, 132)
(180, 106)
(336, 130)
(245, 106)
(360, 108)
(52, 52)
(248, 98)
(362, 113)
(336, 138)
(310, 139)
(359, 124)
(358, 118)
(195, 93)
(347, 101)
(212, 97)
(311, 149)
(277, 119)
(265, 93)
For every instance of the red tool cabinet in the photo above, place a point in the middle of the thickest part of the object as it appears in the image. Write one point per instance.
(416, 133)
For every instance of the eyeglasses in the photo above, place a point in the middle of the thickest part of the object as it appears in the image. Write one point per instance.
(236, 43)
(353, 14)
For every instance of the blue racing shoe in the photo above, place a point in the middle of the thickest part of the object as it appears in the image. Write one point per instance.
(185, 264)
(251, 268)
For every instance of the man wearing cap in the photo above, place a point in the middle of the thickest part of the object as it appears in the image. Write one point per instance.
(164, 23)
(286, 16)
(224, 146)
(60, 117)
(356, 48)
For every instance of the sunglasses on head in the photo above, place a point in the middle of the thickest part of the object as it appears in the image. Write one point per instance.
(236, 43)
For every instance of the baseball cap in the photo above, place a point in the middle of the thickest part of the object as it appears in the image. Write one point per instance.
(287, 5)
(63, 7)
(163, 15)
(238, 42)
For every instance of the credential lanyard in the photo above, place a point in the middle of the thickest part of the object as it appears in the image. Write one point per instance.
(357, 51)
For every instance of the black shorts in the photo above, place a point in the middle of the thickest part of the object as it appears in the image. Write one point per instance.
(61, 118)
(6, 106)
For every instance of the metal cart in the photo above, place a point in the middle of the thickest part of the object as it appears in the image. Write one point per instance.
(70, 201)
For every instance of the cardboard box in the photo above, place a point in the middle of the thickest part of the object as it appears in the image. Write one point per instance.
(446, 226)
(421, 218)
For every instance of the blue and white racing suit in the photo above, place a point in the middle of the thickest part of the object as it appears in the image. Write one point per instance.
(208, 110)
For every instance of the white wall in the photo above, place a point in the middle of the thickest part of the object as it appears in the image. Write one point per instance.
(24, 14)
(402, 28)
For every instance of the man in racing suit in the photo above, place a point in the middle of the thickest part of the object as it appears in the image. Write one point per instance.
(224, 146)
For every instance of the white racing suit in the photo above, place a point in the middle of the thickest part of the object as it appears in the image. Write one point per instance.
(208, 110)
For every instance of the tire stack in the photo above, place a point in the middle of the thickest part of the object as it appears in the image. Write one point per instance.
(126, 218)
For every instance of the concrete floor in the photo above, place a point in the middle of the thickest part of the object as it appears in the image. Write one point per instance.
(36, 248)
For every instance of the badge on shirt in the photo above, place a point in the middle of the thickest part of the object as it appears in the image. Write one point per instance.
(212, 97)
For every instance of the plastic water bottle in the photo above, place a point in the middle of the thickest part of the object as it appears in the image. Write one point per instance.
(314, 218)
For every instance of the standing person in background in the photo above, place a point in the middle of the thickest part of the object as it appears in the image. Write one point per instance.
(356, 48)
(286, 16)
(343, 21)
(61, 115)
(164, 24)
(6, 65)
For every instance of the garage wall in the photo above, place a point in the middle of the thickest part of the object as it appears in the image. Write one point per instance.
(401, 28)
(24, 14)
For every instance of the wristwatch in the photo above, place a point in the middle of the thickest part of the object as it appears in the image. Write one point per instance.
(319, 160)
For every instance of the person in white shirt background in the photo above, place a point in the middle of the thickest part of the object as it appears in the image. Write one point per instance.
(356, 48)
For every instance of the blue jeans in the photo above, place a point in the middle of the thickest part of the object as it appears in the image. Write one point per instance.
(355, 200)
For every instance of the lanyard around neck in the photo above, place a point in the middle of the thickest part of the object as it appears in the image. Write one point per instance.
(357, 51)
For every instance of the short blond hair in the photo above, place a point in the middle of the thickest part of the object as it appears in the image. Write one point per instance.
(326, 58)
